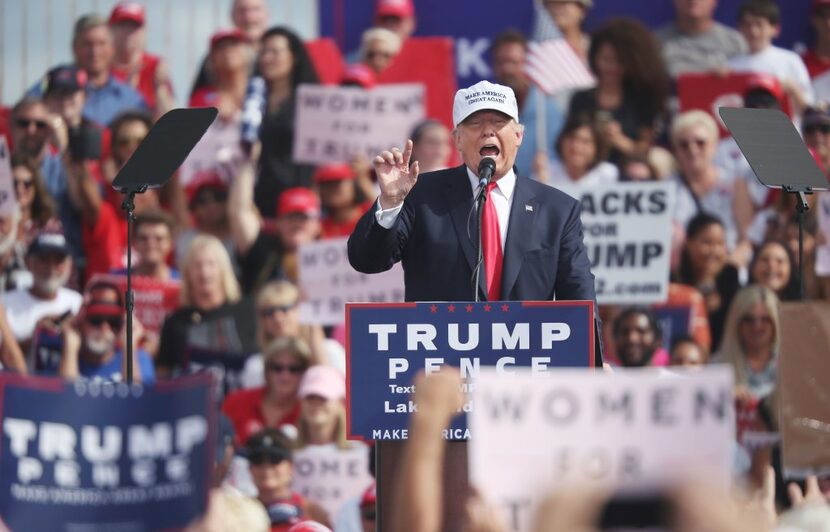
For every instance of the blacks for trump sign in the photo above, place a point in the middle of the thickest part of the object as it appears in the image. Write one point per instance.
(333, 124)
(94, 455)
(389, 344)
(628, 228)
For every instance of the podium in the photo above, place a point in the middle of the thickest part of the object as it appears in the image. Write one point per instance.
(389, 343)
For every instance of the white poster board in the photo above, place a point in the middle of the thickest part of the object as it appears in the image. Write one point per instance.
(8, 200)
(636, 430)
(627, 231)
(823, 250)
(328, 282)
(331, 476)
(217, 151)
(332, 124)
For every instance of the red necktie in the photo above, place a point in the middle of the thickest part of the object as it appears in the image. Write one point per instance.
(491, 245)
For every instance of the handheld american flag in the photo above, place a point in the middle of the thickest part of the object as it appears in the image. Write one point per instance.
(554, 67)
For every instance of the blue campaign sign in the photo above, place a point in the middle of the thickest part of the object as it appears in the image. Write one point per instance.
(388, 344)
(94, 455)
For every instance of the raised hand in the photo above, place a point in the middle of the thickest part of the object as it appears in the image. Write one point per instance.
(396, 176)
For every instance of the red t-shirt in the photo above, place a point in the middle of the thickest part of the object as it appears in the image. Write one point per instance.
(333, 229)
(244, 409)
(815, 65)
(145, 82)
(105, 242)
(204, 97)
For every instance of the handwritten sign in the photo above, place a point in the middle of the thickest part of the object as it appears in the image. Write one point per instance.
(328, 282)
(627, 231)
(634, 430)
(331, 476)
(333, 124)
(7, 198)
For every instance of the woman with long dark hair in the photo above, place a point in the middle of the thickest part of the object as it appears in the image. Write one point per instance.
(632, 86)
(284, 64)
(704, 266)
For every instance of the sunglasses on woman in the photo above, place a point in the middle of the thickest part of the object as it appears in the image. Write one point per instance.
(282, 368)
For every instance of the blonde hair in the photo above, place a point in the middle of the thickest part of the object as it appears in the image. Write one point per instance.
(212, 245)
(283, 291)
(388, 37)
(288, 344)
(732, 349)
(303, 436)
(691, 119)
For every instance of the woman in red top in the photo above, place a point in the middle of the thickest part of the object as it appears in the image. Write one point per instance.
(270, 460)
(340, 199)
(274, 405)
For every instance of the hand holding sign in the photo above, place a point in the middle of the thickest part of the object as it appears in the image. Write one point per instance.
(396, 176)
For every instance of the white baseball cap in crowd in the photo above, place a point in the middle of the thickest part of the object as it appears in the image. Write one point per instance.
(484, 96)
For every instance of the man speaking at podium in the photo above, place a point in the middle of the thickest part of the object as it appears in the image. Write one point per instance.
(531, 233)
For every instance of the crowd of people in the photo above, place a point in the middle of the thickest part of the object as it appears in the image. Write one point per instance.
(224, 233)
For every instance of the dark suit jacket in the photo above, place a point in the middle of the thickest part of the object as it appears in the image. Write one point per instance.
(435, 237)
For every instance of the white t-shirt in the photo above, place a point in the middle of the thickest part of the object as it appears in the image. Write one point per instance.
(601, 174)
(24, 310)
(729, 157)
(779, 62)
(718, 202)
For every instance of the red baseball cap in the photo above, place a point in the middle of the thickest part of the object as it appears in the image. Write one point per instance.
(395, 8)
(298, 200)
(127, 12)
(209, 178)
(766, 82)
(333, 172)
(360, 75)
(232, 34)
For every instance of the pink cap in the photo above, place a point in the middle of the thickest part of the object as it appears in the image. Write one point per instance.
(127, 12)
(227, 34)
(298, 200)
(395, 8)
(323, 381)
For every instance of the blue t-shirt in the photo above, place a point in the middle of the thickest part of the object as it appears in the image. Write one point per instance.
(111, 371)
(106, 102)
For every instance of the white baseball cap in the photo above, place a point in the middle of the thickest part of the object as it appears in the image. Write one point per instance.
(484, 95)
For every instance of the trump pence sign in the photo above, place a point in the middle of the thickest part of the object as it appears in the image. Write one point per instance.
(389, 343)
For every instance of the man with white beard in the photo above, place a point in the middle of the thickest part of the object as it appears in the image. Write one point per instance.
(92, 343)
(41, 307)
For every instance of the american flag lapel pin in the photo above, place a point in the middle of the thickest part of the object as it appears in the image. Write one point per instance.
(528, 208)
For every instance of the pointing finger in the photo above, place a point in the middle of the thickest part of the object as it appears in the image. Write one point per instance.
(407, 152)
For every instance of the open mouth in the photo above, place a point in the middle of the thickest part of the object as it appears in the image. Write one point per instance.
(489, 150)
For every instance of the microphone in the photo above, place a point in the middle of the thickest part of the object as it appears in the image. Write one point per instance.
(486, 169)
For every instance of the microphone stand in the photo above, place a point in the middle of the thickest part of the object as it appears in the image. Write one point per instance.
(481, 198)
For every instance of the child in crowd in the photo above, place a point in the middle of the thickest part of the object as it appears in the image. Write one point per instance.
(759, 23)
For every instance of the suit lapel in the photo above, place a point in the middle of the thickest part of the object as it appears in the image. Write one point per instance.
(520, 234)
(460, 198)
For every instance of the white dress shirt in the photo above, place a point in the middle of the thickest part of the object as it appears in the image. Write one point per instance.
(501, 196)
